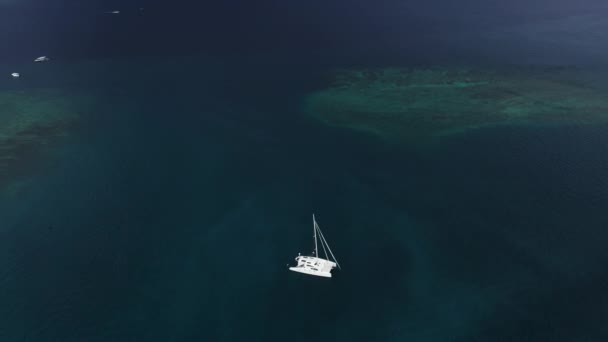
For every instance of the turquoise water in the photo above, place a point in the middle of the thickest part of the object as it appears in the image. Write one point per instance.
(171, 211)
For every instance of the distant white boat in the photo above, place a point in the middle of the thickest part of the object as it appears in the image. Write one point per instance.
(113, 12)
(15, 75)
(42, 59)
(313, 265)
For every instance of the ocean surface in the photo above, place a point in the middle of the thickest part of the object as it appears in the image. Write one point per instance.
(172, 208)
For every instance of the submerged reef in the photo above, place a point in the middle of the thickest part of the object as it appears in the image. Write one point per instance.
(425, 104)
(30, 121)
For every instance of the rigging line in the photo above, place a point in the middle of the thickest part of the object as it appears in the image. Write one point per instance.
(323, 244)
(329, 249)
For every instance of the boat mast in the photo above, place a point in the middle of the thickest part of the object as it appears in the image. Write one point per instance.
(314, 228)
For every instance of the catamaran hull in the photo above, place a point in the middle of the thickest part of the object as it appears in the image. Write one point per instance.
(310, 272)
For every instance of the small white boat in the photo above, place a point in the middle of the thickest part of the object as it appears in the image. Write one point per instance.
(15, 75)
(42, 59)
(313, 265)
(112, 12)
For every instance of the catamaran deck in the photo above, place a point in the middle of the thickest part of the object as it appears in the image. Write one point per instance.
(313, 266)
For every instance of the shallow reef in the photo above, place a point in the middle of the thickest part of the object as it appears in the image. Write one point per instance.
(30, 121)
(425, 104)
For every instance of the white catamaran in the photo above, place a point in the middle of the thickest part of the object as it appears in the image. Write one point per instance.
(313, 265)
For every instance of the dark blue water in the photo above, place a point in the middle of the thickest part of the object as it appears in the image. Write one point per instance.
(170, 212)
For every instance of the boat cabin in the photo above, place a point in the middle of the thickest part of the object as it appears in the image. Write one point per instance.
(313, 266)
